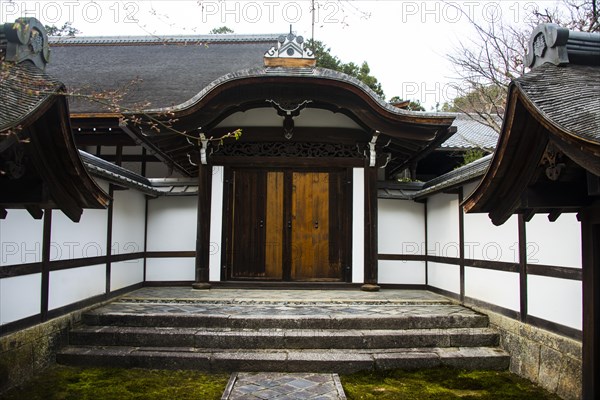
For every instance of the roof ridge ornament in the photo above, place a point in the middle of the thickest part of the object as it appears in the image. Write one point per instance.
(551, 43)
(26, 39)
(290, 52)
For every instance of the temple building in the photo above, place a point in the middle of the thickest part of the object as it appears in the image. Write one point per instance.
(234, 161)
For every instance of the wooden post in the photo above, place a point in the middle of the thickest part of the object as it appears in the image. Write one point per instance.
(371, 250)
(590, 246)
(203, 227)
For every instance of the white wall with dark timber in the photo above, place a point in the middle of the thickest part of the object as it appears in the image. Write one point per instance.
(72, 285)
(170, 269)
(171, 231)
(443, 241)
(543, 285)
(20, 297)
(358, 225)
(128, 229)
(20, 238)
(83, 239)
(549, 244)
(488, 243)
(500, 288)
(401, 232)
(216, 223)
(554, 243)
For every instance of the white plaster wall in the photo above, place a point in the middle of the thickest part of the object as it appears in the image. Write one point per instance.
(20, 297)
(126, 273)
(172, 224)
(401, 227)
(554, 243)
(128, 222)
(216, 224)
(170, 269)
(486, 241)
(20, 238)
(553, 299)
(87, 238)
(496, 287)
(442, 225)
(358, 225)
(73, 285)
(401, 272)
(444, 276)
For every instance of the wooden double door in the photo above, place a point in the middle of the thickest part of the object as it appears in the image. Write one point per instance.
(287, 225)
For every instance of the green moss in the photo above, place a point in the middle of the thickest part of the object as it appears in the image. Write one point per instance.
(70, 383)
(441, 383)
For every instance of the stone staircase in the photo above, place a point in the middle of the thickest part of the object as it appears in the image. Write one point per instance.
(283, 336)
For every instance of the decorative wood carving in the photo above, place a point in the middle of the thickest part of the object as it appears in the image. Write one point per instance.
(290, 149)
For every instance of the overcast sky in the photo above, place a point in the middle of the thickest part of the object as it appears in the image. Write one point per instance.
(404, 42)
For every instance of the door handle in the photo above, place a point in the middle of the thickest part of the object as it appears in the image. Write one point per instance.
(262, 223)
(289, 224)
(316, 224)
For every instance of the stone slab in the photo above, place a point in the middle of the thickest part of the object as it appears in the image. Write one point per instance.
(283, 386)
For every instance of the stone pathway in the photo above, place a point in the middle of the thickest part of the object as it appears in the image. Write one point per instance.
(254, 296)
(283, 386)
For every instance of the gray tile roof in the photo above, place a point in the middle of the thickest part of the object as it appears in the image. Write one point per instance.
(24, 89)
(568, 96)
(452, 179)
(167, 72)
(123, 177)
(471, 134)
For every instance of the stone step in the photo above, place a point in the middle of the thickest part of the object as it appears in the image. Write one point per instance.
(284, 316)
(226, 338)
(274, 360)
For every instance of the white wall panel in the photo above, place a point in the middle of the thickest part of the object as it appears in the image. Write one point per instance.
(126, 273)
(20, 297)
(401, 272)
(442, 225)
(486, 241)
(496, 287)
(358, 226)
(73, 285)
(553, 299)
(128, 222)
(216, 224)
(401, 227)
(20, 238)
(172, 223)
(170, 269)
(87, 238)
(554, 243)
(444, 276)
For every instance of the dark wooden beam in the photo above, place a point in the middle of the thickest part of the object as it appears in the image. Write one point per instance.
(522, 268)
(35, 211)
(590, 238)
(103, 139)
(371, 250)
(203, 227)
(287, 161)
(45, 284)
(553, 216)
(130, 158)
(22, 191)
(461, 244)
(557, 196)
